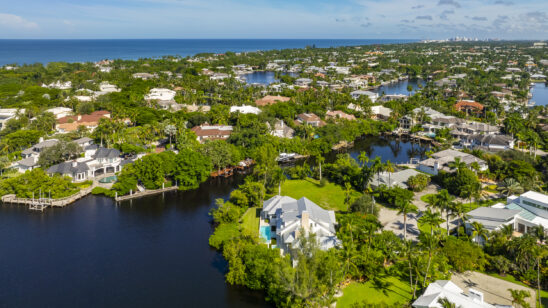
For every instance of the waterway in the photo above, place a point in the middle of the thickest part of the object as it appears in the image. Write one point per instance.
(400, 87)
(148, 252)
(398, 151)
(264, 77)
(540, 94)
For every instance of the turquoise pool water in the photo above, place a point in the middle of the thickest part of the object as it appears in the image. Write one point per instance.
(265, 233)
(431, 135)
(109, 179)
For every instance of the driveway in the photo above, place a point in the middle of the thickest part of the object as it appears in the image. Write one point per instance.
(495, 291)
(391, 221)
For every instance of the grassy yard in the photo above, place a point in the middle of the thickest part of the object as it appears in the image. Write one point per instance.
(510, 278)
(330, 197)
(390, 291)
(250, 221)
(426, 228)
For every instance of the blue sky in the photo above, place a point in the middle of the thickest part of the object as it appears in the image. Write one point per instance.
(360, 19)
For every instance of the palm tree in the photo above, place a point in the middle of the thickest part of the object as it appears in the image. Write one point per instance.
(389, 167)
(458, 164)
(377, 166)
(429, 242)
(279, 177)
(432, 219)
(320, 159)
(444, 200)
(507, 231)
(459, 210)
(510, 186)
(404, 208)
(519, 296)
(479, 232)
(445, 303)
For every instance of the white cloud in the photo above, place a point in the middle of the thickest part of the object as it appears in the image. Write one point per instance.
(16, 22)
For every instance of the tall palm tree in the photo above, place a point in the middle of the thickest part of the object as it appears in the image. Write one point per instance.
(389, 167)
(405, 208)
(430, 243)
(510, 186)
(377, 166)
(432, 219)
(460, 211)
(479, 232)
(443, 201)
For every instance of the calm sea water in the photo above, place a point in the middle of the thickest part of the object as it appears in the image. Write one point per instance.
(44, 51)
(150, 252)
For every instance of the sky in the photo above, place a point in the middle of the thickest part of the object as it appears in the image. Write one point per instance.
(315, 19)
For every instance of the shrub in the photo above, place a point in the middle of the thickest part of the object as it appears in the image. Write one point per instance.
(418, 182)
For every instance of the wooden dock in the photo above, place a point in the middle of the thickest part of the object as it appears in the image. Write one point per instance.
(144, 193)
(40, 204)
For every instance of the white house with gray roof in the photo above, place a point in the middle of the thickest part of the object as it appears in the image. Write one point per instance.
(524, 212)
(287, 217)
(441, 160)
(446, 289)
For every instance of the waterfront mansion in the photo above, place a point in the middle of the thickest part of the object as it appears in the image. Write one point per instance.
(284, 218)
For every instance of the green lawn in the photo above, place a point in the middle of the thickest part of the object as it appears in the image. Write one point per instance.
(250, 221)
(330, 197)
(510, 278)
(393, 293)
(426, 228)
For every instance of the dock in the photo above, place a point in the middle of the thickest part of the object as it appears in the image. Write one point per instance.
(40, 204)
(144, 193)
(229, 171)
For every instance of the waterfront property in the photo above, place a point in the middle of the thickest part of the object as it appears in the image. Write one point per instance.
(392, 179)
(206, 132)
(441, 161)
(371, 95)
(281, 130)
(287, 218)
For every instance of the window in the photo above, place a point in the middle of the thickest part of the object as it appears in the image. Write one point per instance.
(529, 203)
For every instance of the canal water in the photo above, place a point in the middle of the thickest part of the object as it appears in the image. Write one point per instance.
(400, 87)
(540, 94)
(148, 252)
(264, 77)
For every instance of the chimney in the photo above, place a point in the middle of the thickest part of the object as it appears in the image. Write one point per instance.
(79, 117)
(305, 221)
(41, 139)
(74, 164)
(475, 295)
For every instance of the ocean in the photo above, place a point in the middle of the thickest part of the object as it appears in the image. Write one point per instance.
(45, 51)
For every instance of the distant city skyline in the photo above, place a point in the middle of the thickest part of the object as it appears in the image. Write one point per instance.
(269, 19)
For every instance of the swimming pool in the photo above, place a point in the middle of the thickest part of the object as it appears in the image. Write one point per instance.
(265, 233)
(110, 179)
